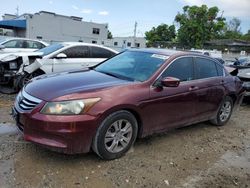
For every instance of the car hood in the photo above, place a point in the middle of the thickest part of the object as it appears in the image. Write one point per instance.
(49, 87)
(14, 55)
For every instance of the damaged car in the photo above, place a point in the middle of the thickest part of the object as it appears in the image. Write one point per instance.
(17, 69)
(244, 75)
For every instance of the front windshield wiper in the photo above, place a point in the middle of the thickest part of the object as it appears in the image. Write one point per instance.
(116, 75)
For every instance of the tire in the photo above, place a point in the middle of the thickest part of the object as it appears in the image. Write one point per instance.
(115, 136)
(24, 79)
(224, 113)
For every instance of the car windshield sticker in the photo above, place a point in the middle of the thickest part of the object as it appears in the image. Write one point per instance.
(160, 56)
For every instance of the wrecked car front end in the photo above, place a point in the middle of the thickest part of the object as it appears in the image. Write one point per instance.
(12, 69)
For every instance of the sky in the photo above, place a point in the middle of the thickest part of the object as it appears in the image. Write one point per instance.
(122, 15)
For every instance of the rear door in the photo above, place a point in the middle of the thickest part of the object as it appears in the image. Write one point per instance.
(209, 82)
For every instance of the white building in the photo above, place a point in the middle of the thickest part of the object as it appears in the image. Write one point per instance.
(52, 27)
(126, 42)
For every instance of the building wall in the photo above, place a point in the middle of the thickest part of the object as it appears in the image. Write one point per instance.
(51, 27)
(120, 43)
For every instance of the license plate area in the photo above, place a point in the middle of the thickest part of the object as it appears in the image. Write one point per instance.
(15, 115)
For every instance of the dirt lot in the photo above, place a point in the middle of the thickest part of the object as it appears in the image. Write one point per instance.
(200, 155)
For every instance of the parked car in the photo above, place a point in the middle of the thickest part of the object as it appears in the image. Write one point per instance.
(242, 62)
(17, 69)
(9, 45)
(134, 94)
(244, 75)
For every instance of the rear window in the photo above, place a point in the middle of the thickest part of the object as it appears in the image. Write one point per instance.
(101, 53)
(205, 68)
(220, 69)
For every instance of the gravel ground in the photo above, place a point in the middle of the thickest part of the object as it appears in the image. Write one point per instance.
(200, 155)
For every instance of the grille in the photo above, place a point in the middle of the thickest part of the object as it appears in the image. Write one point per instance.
(27, 102)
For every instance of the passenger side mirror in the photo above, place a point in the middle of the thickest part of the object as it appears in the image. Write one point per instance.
(2, 47)
(170, 82)
(61, 56)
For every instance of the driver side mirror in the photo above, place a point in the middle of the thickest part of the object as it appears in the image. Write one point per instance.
(61, 56)
(2, 47)
(170, 82)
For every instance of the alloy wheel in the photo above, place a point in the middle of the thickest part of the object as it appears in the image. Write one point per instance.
(225, 111)
(118, 136)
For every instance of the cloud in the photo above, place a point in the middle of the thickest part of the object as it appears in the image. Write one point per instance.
(50, 2)
(103, 13)
(75, 7)
(231, 8)
(86, 11)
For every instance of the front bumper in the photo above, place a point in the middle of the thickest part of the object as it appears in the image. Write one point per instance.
(66, 134)
(7, 76)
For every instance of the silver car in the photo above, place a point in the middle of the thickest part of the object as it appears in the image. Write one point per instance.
(10, 45)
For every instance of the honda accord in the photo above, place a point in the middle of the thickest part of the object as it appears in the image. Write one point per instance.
(134, 94)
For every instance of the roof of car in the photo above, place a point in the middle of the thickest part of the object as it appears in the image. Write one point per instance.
(85, 44)
(168, 52)
(4, 39)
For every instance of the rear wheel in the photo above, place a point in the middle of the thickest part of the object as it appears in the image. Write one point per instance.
(115, 135)
(224, 113)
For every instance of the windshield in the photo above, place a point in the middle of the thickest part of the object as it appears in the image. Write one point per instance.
(133, 65)
(50, 49)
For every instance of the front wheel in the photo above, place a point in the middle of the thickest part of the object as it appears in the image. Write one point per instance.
(115, 135)
(24, 79)
(224, 113)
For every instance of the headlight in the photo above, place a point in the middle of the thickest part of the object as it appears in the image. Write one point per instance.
(13, 65)
(73, 107)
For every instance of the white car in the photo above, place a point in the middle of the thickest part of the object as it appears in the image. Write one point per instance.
(16, 69)
(9, 45)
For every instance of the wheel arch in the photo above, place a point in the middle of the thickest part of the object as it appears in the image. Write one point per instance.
(233, 96)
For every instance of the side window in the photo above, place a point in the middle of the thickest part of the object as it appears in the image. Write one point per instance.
(26, 44)
(182, 69)
(13, 44)
(101, 53)
(77, 52)
(205, 68)
(220, 70)
(35, 45)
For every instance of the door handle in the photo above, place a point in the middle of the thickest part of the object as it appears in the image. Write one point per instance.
(192, 88)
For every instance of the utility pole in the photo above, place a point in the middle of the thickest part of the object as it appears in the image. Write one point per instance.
(17, 11)
(135, 33)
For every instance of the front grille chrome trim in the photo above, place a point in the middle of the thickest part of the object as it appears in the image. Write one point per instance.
(26, 102)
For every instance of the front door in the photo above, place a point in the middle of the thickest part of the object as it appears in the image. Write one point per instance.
(172, 106)
(76, 58)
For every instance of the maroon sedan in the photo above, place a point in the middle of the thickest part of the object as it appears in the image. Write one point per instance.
(134, 94)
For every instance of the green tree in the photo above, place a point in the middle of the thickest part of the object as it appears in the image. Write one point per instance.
(198, 24)
(160, 34)
(246, 36)
(110, 36)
